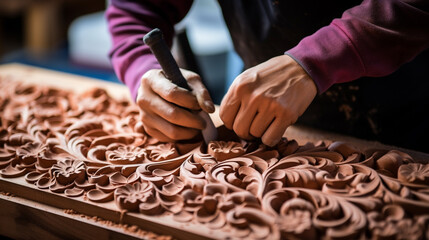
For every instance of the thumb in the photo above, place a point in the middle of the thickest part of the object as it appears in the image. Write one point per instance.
(200, 91)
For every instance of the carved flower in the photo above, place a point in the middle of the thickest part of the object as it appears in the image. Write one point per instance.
(126, 155)
(225, 150)
(29, 153)
(392, 223)
(296, 219)
(67, 171)
(162, 152)
(414, 173)
(137, 196)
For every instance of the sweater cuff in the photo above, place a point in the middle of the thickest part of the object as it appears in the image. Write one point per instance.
(329, 57)
(136, 70)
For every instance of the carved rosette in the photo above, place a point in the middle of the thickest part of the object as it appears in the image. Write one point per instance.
(68, 171)
(93, 147)
(414, 173)
(221, 150)
(126, 155)
(162, 152)
(29, 153)
(138, 196)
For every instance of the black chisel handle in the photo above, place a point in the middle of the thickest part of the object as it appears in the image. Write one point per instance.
(155, 40)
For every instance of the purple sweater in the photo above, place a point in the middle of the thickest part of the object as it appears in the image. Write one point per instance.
(372, 39)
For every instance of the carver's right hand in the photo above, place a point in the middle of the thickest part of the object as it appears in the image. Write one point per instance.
(159, 98)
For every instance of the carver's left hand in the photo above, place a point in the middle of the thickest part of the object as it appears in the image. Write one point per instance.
(264, 100)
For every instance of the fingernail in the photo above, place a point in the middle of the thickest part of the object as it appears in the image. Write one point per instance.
(209, 105)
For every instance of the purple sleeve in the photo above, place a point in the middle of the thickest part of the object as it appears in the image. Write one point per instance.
(372, 39)
(128, 22)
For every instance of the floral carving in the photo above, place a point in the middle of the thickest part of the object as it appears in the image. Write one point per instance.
(126, 155)
(225, 150)
(414, 173)
(130, 197)
(162, 152)
(68, 171)
(29, 153)
(93, 148)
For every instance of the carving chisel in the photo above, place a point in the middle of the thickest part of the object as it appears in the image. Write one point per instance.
(155, 40)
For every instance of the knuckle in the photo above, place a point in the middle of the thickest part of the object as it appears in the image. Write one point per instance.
(279, 108)
(248, 76)
(143, 102)
(243, 89)
(170, 92)
(173, 133)
(144, 81)
(288, 115)
(240, 132)
(255, 132)
(149, 75)
(144, 117)
(256, 99)
(171, 113)
(145, 78)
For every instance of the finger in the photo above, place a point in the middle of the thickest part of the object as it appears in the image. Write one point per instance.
(274, 132)
(173, 93)
(146, 122)
(157, 134)
(200, 91)
(243, 120)
(260, 124)
(228, 111)
(167, 129)
(172, 113)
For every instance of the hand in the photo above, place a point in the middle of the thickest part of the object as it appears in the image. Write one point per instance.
(264, 100)
(159, 98)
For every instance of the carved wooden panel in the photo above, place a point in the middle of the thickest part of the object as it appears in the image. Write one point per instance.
(93, 147)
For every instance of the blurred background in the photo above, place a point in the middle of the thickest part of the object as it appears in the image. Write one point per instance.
(72, 36)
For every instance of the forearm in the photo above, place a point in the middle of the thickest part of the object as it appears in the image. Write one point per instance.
(372, 39)
(128, 23)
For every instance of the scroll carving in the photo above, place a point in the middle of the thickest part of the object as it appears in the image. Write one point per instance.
(92, 146)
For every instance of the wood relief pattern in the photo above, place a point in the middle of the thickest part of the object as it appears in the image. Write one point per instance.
(93, 145)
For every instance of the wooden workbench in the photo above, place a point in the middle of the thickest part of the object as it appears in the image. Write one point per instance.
(42, 213)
